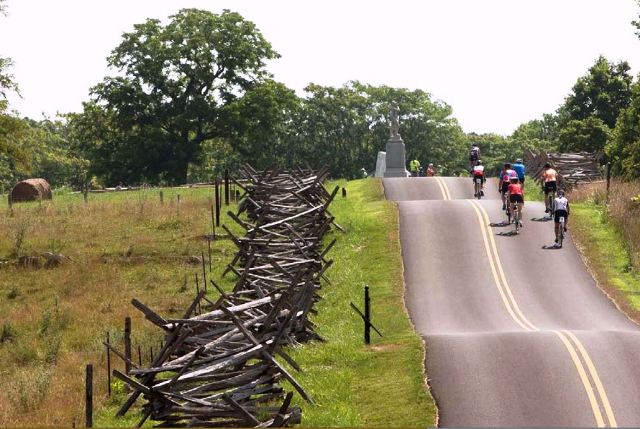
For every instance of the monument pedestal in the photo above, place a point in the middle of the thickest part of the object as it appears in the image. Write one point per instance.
(395, 158)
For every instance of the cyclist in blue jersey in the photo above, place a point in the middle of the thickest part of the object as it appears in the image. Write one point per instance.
(518, 167)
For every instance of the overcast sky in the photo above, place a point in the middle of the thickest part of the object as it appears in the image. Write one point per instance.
(498, 63)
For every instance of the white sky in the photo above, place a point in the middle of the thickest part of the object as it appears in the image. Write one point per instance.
(498, 63)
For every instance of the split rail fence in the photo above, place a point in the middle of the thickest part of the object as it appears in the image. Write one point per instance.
(573, 168)
(221, 363)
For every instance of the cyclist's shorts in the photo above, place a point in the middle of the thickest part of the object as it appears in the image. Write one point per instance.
(516, 199)
(505, 187)
(560, 213)
(550, 187)
(478, 178)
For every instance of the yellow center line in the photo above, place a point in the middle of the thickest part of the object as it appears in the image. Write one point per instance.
(446, 188)
(585, 380)
(442, 189)
(596, 378)
(500, 269)
(444, 194)
(493, 270)
(512, 307)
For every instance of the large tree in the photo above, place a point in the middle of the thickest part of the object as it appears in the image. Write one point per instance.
(596, 100)
(173, 82)
(12, 129)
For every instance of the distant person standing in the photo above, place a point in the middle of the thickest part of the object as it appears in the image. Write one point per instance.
(430, 170)
(414, 167)
(518, 167)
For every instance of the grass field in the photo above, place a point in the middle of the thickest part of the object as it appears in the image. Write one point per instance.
(125, 245)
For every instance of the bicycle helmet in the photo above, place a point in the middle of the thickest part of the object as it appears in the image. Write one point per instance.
(513, 179)
(507, 165)
(561, 193)
(479, 162)
(519, 160)
(547, 165)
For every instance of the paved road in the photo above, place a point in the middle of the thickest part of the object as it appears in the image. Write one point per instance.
(516, 334)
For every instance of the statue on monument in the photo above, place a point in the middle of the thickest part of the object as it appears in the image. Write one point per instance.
(394, 115)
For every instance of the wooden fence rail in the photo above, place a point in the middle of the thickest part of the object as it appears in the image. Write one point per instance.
(220, 363)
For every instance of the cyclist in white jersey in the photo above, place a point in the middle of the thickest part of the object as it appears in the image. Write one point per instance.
(478, 176)
(562, 210)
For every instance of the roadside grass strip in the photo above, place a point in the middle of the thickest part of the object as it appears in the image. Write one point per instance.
(606, 255)
(353, 385)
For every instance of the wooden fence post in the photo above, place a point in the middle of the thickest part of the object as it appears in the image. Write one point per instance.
(344, 192)
(226, 187)
(127, 344)
(88, 397)
(217, 192)
(161, 198)
(108, 364)
(608, 181)
(367, 316)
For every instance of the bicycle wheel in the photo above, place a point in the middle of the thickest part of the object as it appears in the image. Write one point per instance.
(516, 219)
(508, 213)
(561, 235)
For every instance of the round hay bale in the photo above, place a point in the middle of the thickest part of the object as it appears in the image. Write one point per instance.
(31, 190)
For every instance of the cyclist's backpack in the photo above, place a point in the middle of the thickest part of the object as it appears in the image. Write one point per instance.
(473, 154)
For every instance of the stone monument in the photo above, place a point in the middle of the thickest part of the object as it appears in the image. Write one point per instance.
(395, 154)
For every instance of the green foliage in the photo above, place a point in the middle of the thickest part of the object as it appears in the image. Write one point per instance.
(590, 135)
(590, 112)
(623, 149)
(345, 127)
(603, 92)
(149, 122)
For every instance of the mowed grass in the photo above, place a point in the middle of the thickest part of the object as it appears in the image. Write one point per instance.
(128, 244)
(353, 384)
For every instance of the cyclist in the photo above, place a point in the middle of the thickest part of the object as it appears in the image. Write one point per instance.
(505, 177)
(474, 155)
(518, 166)
(430, 170)
(562, 210)
(516, 197)
(478, 175)
(414, 167)
(550, 177)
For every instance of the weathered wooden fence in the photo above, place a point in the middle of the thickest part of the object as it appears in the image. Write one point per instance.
(573, 168)
(220, 363)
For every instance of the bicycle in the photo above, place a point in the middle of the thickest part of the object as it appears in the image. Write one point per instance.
(477, 187)
(561, 231)
(551, 203)
(516, 217)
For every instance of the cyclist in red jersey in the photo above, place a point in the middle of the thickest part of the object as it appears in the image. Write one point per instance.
(516, 197)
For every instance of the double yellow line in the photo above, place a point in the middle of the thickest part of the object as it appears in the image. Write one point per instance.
(589, 376)
(443, 188)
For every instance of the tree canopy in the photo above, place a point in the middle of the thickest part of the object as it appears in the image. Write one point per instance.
(172, 84)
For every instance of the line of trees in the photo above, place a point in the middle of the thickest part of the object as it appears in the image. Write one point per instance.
(192, 97)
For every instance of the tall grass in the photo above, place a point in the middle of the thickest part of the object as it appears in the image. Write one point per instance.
(607, 231)
(119, 246)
